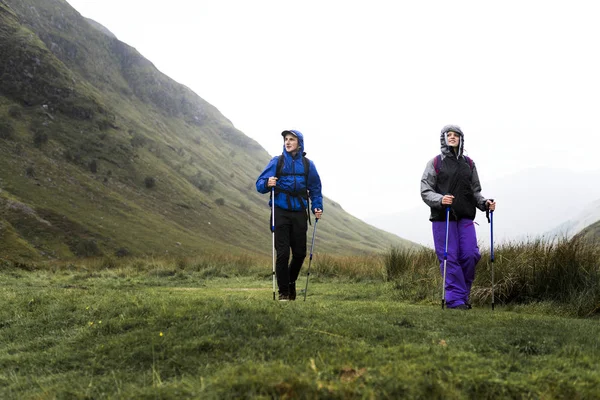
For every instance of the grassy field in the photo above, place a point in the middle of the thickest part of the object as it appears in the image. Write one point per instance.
(209, 329)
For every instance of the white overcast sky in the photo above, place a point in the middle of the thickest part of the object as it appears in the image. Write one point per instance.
(371, 83)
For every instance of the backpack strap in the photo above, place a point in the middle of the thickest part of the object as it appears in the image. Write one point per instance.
(437, 163)
(469, 161)
(306, 163)
(279, 166)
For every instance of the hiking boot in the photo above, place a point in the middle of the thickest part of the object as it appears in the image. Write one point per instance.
(469, 305)
(462, 307)
(293, 291)
(284, 297)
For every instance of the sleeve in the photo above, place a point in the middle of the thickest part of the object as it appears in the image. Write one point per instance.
(314, 188)
(476, 188)
(428, 184)
(269, 171)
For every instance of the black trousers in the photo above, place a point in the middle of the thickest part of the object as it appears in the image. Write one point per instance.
(290, 233)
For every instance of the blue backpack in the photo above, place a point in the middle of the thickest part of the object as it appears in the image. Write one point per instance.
(298, 194)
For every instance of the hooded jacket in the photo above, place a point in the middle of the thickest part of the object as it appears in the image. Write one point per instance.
(456, 177)
(292, 180)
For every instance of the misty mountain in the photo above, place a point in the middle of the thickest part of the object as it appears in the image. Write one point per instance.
(530, 203)
(101, 153)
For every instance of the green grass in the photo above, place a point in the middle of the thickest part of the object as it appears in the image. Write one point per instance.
(193, 328)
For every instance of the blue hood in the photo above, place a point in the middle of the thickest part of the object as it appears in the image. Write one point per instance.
(300, 137)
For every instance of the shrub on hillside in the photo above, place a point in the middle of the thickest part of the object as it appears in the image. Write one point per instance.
(205, 185)
(87, 248)
(122, 252)
(14, 112)
(68, 155)
(6, 130)
(138, 140)
(72, 157)
(104, 124)
(150, 182)
(220, 201)
(109, 262)
(39, 138)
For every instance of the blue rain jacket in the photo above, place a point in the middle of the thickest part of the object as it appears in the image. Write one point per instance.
(293, 182)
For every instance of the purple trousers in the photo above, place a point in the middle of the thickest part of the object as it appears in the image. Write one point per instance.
(463, 255)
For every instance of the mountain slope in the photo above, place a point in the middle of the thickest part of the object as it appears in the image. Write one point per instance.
(100, 152)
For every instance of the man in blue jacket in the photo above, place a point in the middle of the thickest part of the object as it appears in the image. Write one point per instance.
(295, 180)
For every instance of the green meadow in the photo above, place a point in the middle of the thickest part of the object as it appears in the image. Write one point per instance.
(209, 328)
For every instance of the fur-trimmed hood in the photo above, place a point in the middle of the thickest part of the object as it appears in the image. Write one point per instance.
(447, 150)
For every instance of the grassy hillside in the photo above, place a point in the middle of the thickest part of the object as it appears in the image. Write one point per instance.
(101, 153)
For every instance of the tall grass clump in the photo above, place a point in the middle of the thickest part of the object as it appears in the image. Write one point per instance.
(561, 271)
(414, 273)
(402, 261)
(355, 268)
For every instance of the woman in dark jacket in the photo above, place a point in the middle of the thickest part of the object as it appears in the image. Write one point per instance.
(450, 181)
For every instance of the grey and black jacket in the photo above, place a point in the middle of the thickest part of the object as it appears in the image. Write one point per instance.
(457, 176)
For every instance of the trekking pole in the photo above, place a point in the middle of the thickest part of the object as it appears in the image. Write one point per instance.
(312, 246)
(492, 251)
(445, 259)
(273, 234)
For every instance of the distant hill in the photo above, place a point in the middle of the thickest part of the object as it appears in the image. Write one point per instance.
(587, 217)
(531, 203)
(101, 153)
(591, 233)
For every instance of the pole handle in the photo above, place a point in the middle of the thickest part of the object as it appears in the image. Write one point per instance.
(488, 212)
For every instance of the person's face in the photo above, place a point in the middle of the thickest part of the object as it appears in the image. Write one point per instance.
(291, 143)
(453, 139)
